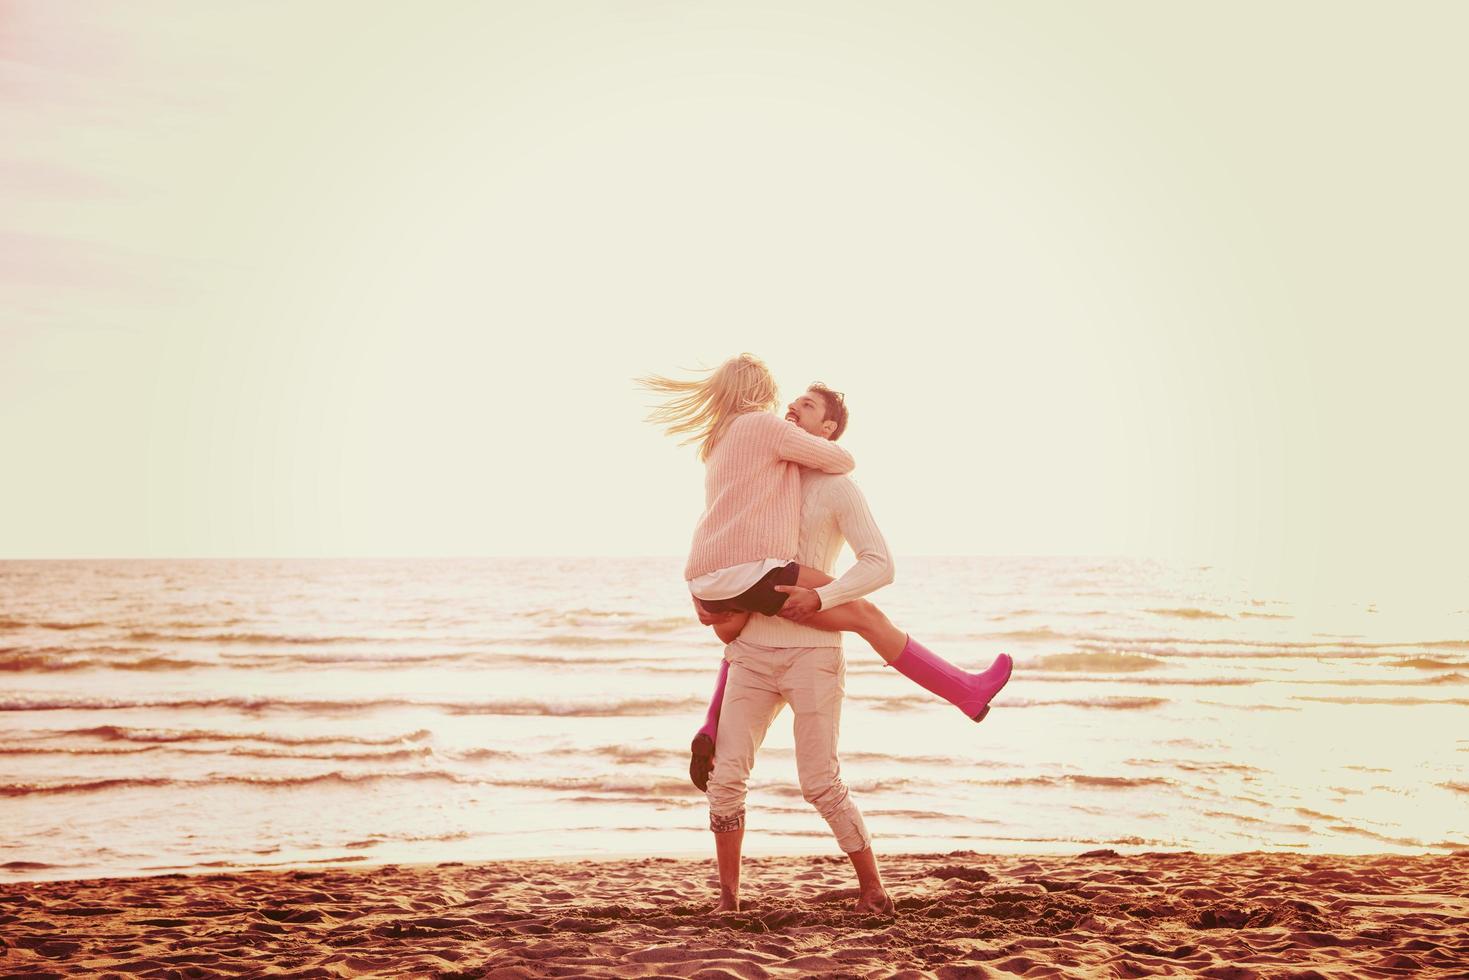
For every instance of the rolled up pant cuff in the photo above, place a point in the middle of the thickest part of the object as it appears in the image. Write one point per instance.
(725, 824)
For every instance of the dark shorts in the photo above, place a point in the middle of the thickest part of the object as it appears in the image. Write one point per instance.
(760, 597)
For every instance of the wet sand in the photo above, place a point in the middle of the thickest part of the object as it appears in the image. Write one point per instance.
(959, 915)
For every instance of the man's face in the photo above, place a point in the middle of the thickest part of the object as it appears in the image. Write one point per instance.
(809, 412)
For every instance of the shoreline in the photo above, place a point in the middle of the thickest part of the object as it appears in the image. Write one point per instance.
(960, 913)
(752, 851)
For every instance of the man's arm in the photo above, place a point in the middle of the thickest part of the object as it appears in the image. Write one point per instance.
(874, 567)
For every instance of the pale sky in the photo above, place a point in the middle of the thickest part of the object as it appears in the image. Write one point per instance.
(373, 279)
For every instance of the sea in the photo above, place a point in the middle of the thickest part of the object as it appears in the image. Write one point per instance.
(162, 716)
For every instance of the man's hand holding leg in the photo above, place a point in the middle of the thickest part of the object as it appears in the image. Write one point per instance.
(800, 603)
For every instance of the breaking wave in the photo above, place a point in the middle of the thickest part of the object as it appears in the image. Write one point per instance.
(286, 638)
(386, 755)
(1091, 782)
(633, 707)
(262, 782)
(1116, 703)
(165, 735)
(1187, 613)
(1402, 701)
(905, 702)
(46, 663)
(1098, 662)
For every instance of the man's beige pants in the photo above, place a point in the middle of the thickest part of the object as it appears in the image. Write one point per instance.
(812, 680)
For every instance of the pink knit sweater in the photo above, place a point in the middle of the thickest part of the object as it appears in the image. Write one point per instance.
(752, 491)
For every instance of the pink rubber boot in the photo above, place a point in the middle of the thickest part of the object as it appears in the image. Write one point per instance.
(701, 758)
(970, 693)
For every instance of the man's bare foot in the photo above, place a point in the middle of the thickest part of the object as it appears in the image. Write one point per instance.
(701, 761)
(726, 904)
(876, 903)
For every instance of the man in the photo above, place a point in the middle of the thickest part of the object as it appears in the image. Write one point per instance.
(774, 661)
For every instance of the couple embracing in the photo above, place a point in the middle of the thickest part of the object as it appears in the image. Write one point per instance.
(778, 506)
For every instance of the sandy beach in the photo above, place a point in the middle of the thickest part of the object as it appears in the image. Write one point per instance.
(960, 914)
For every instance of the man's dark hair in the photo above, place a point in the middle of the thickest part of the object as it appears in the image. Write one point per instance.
(836, 407)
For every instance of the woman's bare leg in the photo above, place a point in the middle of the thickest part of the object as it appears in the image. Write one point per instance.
(858, 616)
(867, 621)
(813, 578)
(970, 693)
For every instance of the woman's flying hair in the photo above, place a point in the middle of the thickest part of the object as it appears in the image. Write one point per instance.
(704, 407)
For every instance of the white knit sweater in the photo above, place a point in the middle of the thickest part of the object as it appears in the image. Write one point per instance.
(833, 510)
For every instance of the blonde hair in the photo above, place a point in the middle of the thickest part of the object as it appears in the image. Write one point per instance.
(705, 406)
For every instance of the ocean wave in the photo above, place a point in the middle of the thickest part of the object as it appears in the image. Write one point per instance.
(7, 623)
(1039, 633)
(1454, 678)
(64, 750)
(1181, 648)
(123, 733)
(613, 785)
(1195, 765)
(261, 782)
(582, 640)
(542, 660)
(1090, 782)
(49, 663)
(893, 784)
(909, 701)
(377, 839)
(291, 661)
(153, 636)
(1245, 818)
(246, 704)
(633, 707)
(1426, 663)
(1115, 703)
(458, 659)
(622, 620)
(1399, 701)
(1236, 647)
(658, 801)
(55, 659)
(387, 754)
(1100, 662)
(1251, 706)
(1342, 828)
(922, 815)
(1188, 613)
(624, 754)
(475, 755)
(73, 649)
(654, 755)
(84, 786)
(1133, 680)
(917, 760)
(252, 661)
(1016, 614)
